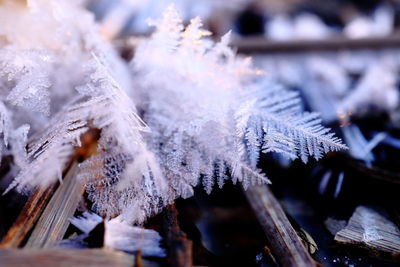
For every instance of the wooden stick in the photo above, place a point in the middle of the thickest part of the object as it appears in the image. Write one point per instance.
(179, 246)
(64, 257)
(53, 223)
(263, 45)
(39, 199)
(285, 243)
(28, 217)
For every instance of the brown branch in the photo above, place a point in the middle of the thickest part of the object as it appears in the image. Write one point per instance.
(263, 45)
(179, 246)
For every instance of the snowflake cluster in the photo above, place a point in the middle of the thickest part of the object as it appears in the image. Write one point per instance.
(186, 110)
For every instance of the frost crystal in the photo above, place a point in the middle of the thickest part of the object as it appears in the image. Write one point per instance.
(211, 114)
(187, 112)
(121, 236)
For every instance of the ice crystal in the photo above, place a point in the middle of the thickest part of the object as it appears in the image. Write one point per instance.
(35, 75)
(205, 113)
(121, 236)
(211, 115)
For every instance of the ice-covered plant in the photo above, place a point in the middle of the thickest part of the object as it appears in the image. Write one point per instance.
(58, 71)
(204, 111)
(58, 79)
(211, 114)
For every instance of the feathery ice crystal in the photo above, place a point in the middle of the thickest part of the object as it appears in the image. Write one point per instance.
(204, 112)
(211, 114)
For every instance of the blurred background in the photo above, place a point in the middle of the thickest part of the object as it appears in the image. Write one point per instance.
(272, 19)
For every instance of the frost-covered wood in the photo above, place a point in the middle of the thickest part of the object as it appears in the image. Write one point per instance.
(372, 230)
